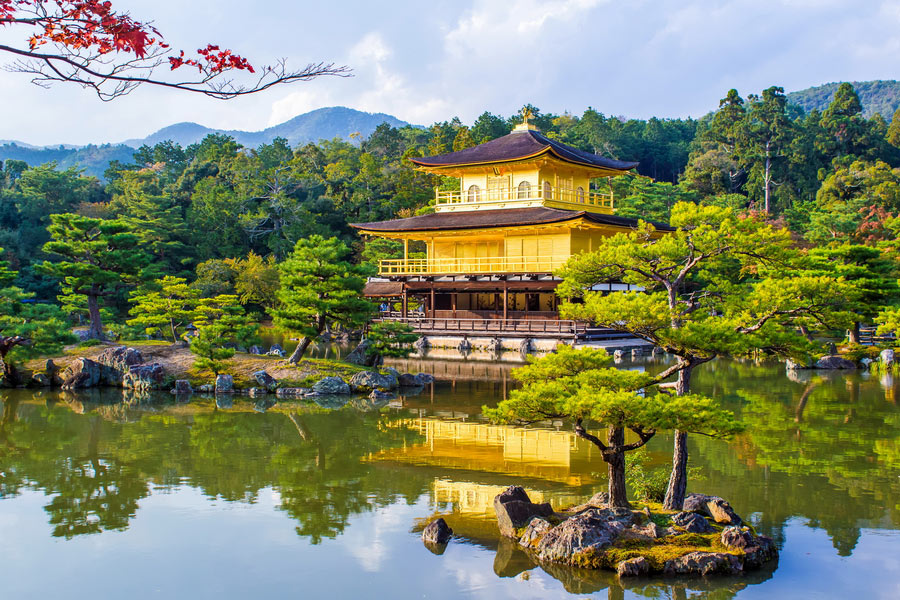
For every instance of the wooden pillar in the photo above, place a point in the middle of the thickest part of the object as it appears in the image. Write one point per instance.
(453, 303)
(404, 304)
(505, 302)
(431, 301)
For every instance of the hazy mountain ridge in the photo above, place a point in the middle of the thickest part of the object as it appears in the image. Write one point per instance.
(878, 96)
(323, 123)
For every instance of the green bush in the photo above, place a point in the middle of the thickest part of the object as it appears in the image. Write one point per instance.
(857, 352)
(88, 343)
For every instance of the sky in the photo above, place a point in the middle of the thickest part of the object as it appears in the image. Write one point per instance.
(430, 61)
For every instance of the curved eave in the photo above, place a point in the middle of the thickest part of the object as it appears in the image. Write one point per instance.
(547, 150)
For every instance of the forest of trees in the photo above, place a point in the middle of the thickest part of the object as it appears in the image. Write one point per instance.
(222, 216)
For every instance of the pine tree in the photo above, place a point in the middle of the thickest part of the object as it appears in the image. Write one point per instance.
(26, 328)
(172, 305)
(720, 285)
(97, 258)
(320, 286)
(579, 385)
(222, 326)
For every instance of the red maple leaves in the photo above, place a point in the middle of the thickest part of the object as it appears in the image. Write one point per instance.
(94, 26)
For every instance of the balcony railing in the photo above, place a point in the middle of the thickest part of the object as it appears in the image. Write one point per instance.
(471, 266)
(510, 198)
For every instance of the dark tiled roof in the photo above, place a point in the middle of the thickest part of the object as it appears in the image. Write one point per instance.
(518, 145)
(509, 217)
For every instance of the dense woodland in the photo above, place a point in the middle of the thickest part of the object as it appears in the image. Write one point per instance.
(221, 215)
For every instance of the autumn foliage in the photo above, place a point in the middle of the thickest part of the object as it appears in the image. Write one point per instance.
(88, 42)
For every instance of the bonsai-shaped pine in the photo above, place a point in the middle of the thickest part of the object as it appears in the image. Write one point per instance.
(26, 328)
(222, 325)
(320, 286)
(172, 305)
(580, 386)
(98, 258)
(721, 284)
(391, 339)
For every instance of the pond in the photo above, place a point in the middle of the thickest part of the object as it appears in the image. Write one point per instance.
(150, 498)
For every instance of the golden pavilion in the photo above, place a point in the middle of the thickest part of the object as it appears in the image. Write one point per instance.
(523, 207)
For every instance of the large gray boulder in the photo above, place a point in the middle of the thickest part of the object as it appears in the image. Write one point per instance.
(182, 387)
(582, 534)
(361, 355)
(711, 506)
(515, 509)
(536, 529)
(736, 538)
(437, 532)
(704, 563)
(761, 551)
(835, 362)
(82, 373)
(633, 567)
(366, 381)
(144, 377)
(265, 380)
(331, 385)
(692, 522)
(224, 384)
(120, 358)
(887, 357)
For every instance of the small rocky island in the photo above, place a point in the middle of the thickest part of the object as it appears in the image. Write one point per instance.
(707, 537)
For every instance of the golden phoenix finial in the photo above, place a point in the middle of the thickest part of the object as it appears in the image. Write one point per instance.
(526, 114)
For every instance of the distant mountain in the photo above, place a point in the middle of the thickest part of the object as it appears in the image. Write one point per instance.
(324, 123)
(880, 96)
(93, 159)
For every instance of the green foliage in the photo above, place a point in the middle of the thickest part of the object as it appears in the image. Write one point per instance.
(392, 339)
(646, 483)
(96, 258)
(720, 284)
(222, 326)
(320, 286)
(257, 280)
(579, 385)
(166, 309)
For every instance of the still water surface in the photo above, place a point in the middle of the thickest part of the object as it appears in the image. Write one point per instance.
(157, 499)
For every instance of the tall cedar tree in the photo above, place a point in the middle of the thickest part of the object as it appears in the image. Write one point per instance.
(319, 287)
(579, 385)
(98, 258)
(171, 306)
(719, 285)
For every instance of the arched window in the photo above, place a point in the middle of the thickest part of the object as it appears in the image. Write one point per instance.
(579, 195)
(474, 194)
(524, 190)
(548, 191)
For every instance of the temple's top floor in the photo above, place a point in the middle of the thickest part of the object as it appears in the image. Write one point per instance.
(521, 170)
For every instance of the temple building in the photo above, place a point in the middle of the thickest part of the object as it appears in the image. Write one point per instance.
(524, 206)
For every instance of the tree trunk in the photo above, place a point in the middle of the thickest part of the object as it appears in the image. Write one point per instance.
(768, 176)
(96, 328)
(174, 331)
(854, 333)
(677, 487)
(300, 350)
(678, 479)
(615, 460)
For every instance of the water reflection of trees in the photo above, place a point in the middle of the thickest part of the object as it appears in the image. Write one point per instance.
(96, 470)
(823, 446)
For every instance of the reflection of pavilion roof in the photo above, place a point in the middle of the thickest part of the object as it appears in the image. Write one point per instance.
(520, 145)
(511, 217)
